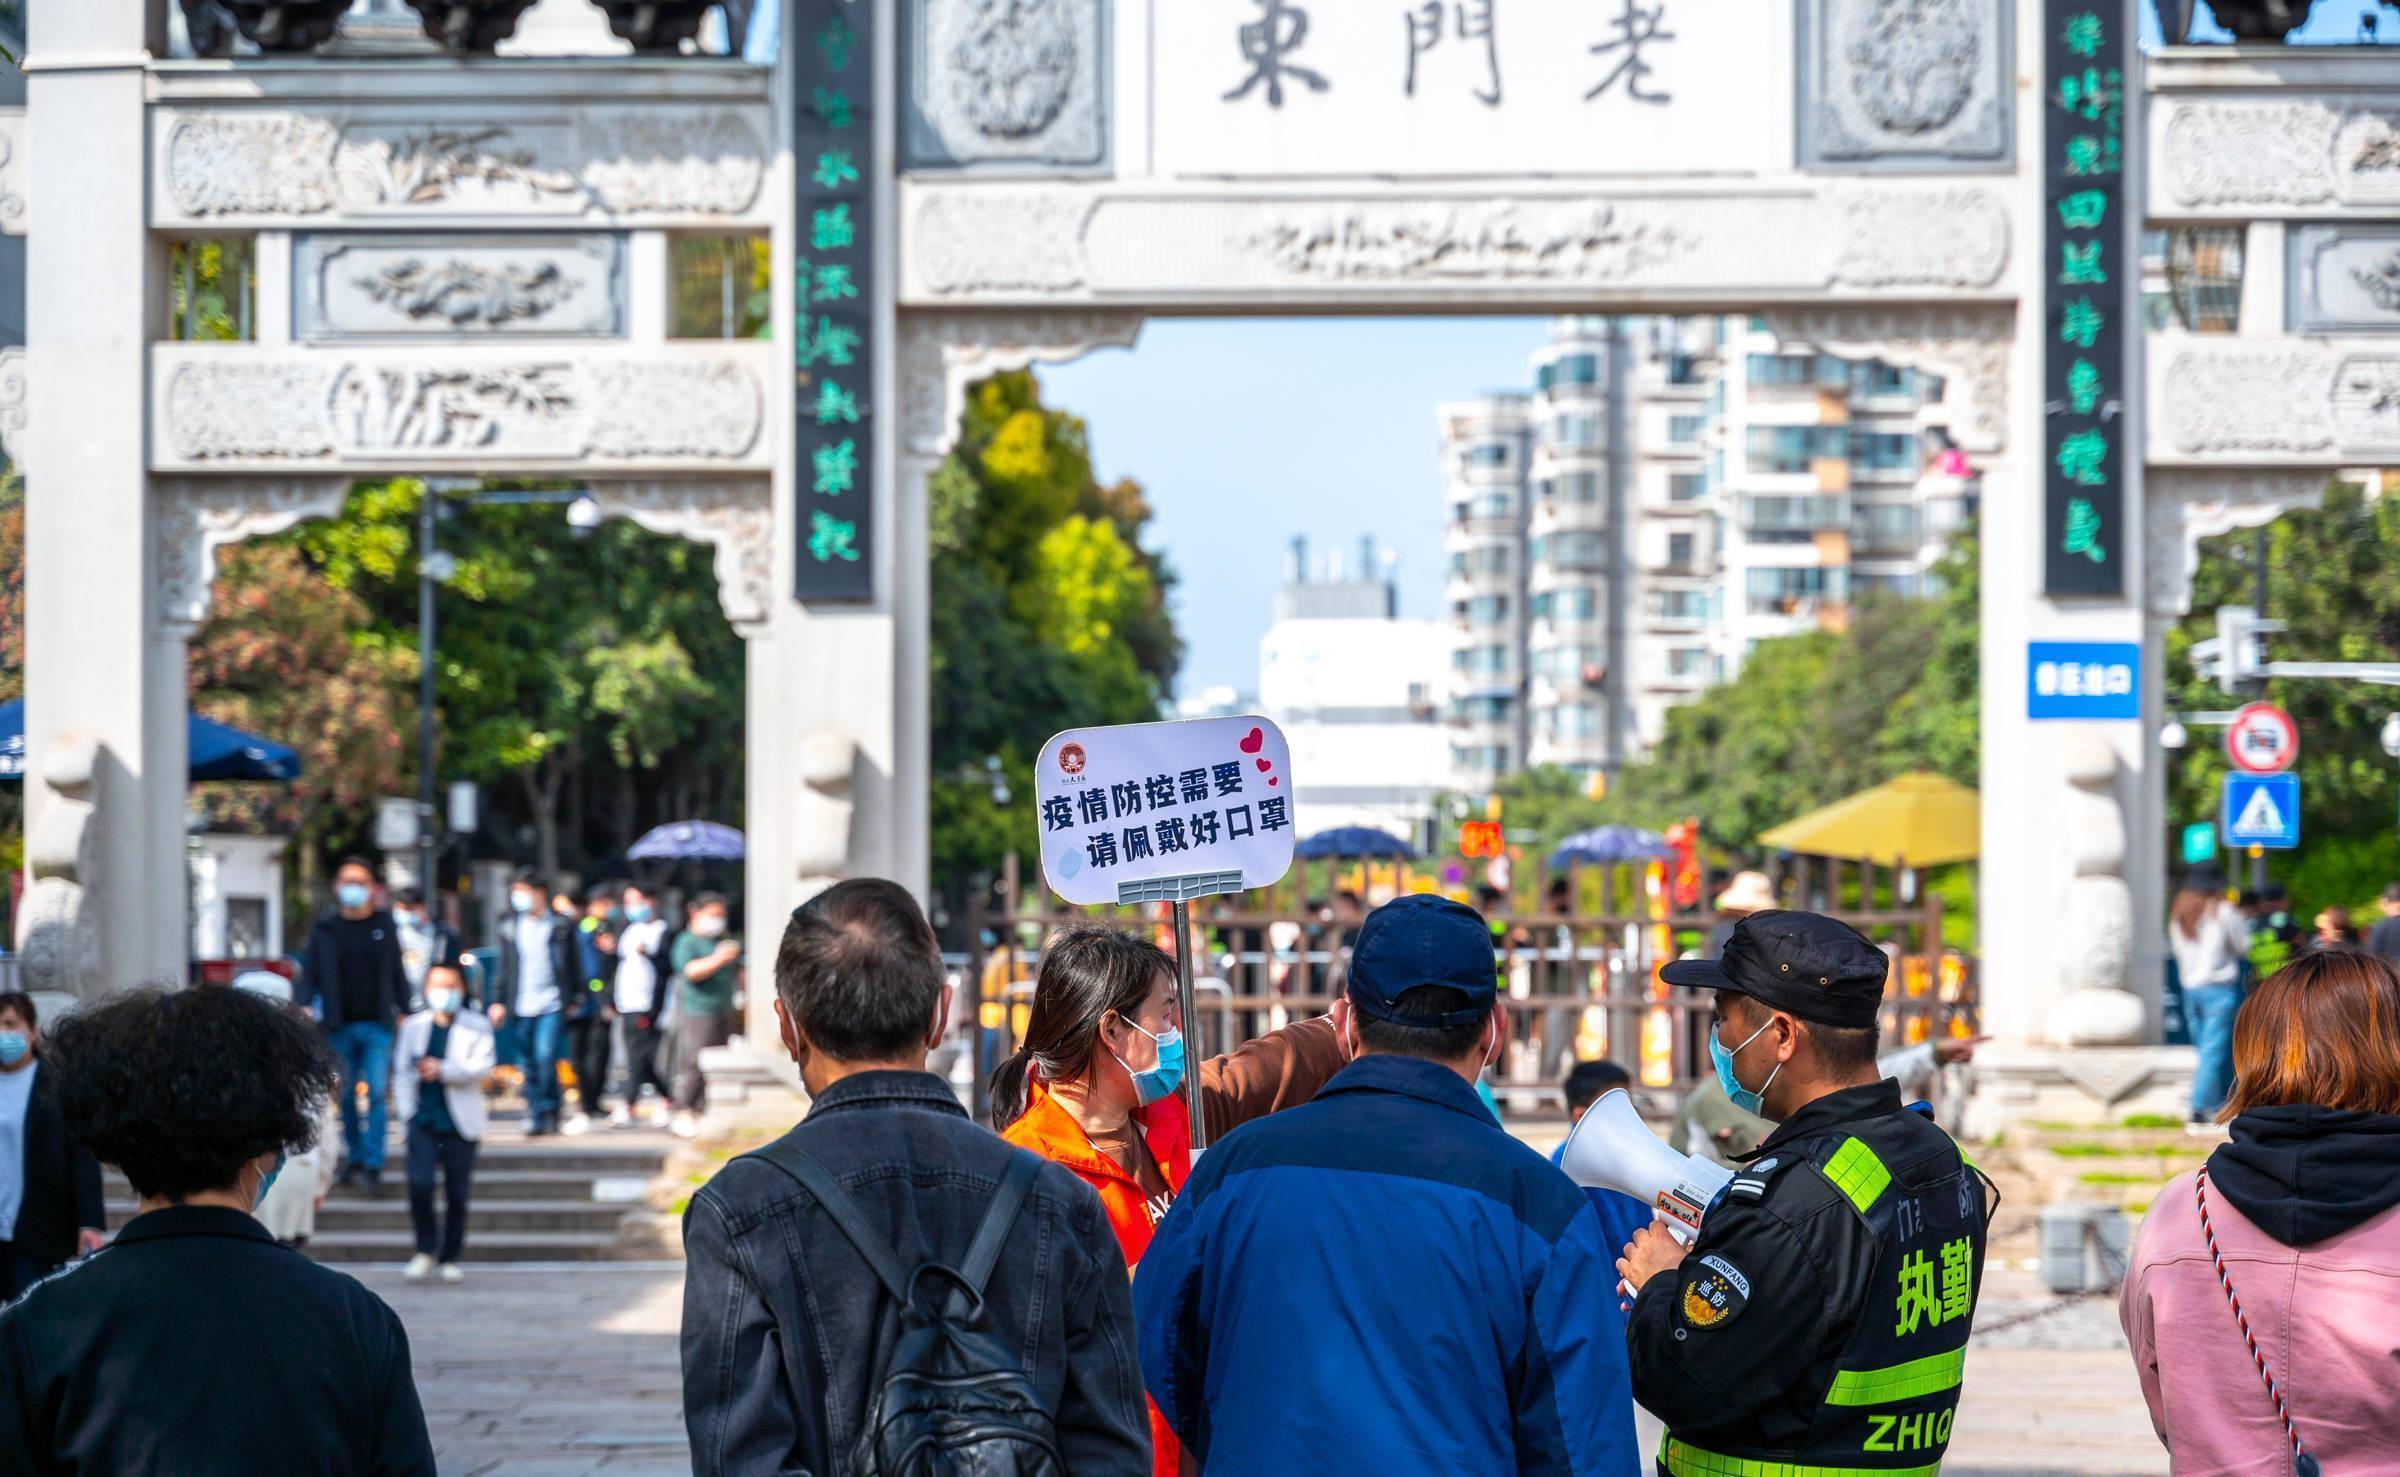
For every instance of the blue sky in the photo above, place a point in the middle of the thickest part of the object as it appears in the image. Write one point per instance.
(1247, 431)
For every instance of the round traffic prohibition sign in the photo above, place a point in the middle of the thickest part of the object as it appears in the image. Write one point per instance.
(2262, 739)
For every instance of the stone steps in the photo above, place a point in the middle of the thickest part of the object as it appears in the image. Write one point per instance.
(356, 1247)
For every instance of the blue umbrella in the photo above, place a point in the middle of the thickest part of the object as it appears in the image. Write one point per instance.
(1603, 845)
(688, 841)
(216, 752)
(1362, 841)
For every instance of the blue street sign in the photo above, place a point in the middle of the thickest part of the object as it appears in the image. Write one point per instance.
(2262, 810)
(2083, 679)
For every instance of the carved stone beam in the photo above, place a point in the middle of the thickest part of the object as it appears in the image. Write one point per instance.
(735, 518)
(16, 212)
(2186, 505)
(1967, 345)
(193, 517)
(943, 353)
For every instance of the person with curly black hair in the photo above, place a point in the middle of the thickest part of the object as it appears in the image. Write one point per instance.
(195, 1342)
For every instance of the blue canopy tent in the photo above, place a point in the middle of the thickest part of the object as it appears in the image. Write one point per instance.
(1355, 841)
(217, 752)
(1607, 845)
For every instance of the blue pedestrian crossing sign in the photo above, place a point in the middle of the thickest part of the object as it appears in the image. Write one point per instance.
(2262, 810)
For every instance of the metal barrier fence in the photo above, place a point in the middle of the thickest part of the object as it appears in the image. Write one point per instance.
(1579, 975)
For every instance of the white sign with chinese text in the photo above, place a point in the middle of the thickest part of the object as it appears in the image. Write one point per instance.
(1122, 810)
(1294, 88)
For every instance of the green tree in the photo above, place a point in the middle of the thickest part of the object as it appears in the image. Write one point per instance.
(1047, 613)
(2333, 578)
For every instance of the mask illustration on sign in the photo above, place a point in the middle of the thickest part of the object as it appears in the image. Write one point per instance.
(1743, 1098)
(1158, 1082)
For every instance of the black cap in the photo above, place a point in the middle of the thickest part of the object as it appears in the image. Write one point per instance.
(1423, 939)
(1818, 968)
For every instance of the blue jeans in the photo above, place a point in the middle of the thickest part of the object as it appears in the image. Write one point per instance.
(539, 1034)
(365, 1049)
(2209, 1011)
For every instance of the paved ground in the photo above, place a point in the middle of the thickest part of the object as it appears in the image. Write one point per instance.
(536, 1370)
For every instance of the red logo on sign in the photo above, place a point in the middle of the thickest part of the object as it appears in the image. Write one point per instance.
(1070, 759)
(2262, 739)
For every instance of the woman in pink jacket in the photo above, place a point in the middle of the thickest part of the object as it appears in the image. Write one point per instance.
(2289, 1237)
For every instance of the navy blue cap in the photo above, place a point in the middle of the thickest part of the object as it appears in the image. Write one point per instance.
(1423, 939)
(1818, 968)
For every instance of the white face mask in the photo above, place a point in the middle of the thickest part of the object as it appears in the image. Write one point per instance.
(442, 1002)
(708, 926)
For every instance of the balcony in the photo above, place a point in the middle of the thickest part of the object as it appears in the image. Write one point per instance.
(1763, 513)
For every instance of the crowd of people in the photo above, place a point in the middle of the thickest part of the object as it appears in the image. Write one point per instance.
(1364, 1273)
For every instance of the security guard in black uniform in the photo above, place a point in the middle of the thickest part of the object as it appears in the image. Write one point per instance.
(1818, 1327)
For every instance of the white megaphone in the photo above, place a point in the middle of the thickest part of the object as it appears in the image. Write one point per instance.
(1612, 1149)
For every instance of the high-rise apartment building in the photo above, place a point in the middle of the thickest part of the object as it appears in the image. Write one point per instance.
(1670, 493)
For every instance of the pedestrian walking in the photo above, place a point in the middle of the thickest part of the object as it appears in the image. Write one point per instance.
(424, 940)
(445, 1060)
(591, 1018)
(707, 968)
(2274, 937)
(1858, 1232)
(2209, 938)
(194, 1343)
(50, 1207)
(641, 949)
(2333, 930)
(1096, 1087)
(289, 1207)
(2262, 1298)
(538, 968)
(2383, 939)
(351, 969)
(1382, 1281)
(799, 1257)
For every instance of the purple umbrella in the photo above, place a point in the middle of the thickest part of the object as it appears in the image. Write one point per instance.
(692, 841)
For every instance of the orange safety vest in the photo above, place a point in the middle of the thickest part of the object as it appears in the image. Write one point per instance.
(1050, 1131)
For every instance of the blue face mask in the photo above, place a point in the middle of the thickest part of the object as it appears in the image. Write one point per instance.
(1743, 1098)
(352, 894)
(13, 1046)
(1158, 1082)
(637, 912)
(268, 1183)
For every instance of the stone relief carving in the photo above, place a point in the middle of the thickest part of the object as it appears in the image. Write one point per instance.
(461, 292)
(822, 817)
(706, 161)
(2229, 153)
(1913, 81)
(943, 353)
(2222, 399)
(1968, 346)
(970, 241)
(58, 936)
(2366, 158)
(14, 172)
(2096, 943)
(1006, 81)
(2183, 505)
(1571, 241)
(2380, 281)
(192, 518)
(736, 519)
(2366, 401)
(326, 407)
(13, 390)
(1915, 238)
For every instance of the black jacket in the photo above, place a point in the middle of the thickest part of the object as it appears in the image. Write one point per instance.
(321, 978)
(1848, 1253)
(195, 1345)
(565, 958)
(780, 1313)
(62, 1182)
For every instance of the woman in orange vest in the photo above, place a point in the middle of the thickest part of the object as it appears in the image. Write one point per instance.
(1096, 1087)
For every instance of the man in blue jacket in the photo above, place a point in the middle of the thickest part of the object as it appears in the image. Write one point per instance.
(1383, 1281)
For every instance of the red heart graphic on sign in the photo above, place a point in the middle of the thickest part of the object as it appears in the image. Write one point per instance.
(1264, 766)
(1256, 741)
(1271, 779)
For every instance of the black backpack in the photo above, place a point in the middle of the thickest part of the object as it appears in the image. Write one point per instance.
(950, 1398)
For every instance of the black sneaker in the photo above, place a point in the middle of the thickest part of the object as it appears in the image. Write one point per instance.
(374, 1184)
(348, 1177)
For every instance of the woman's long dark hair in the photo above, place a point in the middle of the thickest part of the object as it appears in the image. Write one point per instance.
(1086, 973)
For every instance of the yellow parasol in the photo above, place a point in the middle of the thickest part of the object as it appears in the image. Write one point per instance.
(1917, 820)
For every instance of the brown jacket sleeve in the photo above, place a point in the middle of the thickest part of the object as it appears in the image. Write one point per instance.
(1278, 1070)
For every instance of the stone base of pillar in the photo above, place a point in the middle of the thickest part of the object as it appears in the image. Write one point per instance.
(2076, 1084)
(748, 1088)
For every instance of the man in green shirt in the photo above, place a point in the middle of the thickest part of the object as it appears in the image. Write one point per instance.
(707, 969)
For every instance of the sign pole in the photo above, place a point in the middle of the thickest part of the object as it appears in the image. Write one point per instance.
(1182, 914)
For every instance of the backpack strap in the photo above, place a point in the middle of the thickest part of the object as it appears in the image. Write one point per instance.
(798, 1165)
(984, 1253)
